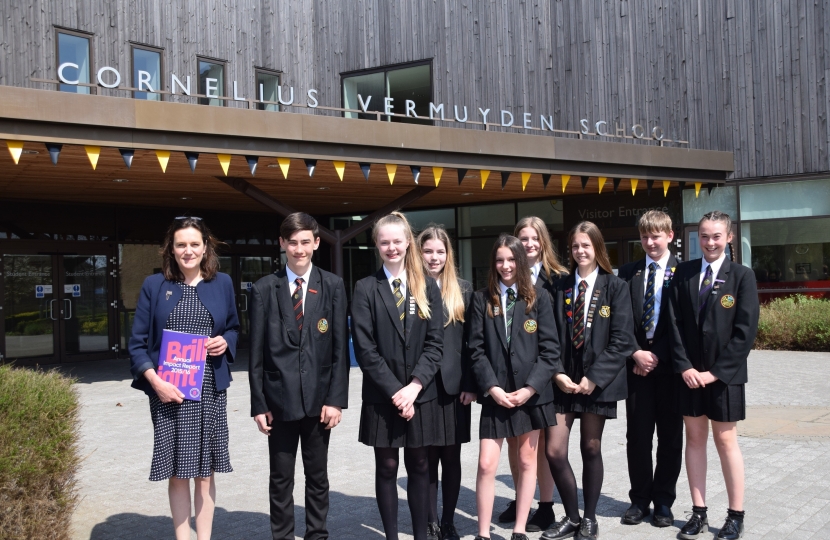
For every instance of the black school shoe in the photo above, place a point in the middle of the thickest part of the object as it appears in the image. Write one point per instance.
(433, 531)
(634, 515)
(662, 516)
(564, 528)
(696, 525)
(519, 536)
(448, 532)
(732, 529)
(589, 530)
(509, 515)
(543, 518)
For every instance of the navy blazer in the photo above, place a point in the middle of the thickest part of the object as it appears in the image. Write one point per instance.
(454, 364)
(157, 299)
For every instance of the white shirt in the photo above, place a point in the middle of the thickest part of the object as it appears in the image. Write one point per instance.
(292, 277)
(715, 268)
(503, 295)
(391, 278)
(534, 271)
(660, 273)
(590, 279)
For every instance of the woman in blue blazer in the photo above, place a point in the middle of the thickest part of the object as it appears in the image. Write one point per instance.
(190, 437)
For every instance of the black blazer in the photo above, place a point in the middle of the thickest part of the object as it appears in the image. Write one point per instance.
(293, 374)
(454, 361)
(730, 325)
(533, 357)
(609, 340)
(156, 301)
(389, 356)
(635, 274)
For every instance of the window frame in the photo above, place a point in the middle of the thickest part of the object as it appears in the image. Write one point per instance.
(267, 71)
(385, 69)
(81, 34)
(151, 48)
(223, 99)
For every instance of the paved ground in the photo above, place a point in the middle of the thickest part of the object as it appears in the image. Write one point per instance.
(786, 444)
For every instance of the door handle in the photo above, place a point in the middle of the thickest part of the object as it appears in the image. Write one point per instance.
(68, 302)
(245, 296)
(52, 309)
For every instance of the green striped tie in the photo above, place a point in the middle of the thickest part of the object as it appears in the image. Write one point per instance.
(396, 283)
(511, 301)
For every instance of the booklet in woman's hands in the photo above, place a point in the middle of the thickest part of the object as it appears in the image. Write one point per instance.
(182, 362)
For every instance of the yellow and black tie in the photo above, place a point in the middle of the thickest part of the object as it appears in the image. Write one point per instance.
(399, 298)
(511, 302)
(579, 316)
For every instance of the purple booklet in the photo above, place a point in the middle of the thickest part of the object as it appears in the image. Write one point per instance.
(182, 362)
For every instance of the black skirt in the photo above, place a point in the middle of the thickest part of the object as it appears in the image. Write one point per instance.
(718, 401)
(498, 422)
(453, 420)
(382, 427)
(580, 403)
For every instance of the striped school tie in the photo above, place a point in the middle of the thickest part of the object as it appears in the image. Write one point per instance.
(396, 290)
(649, 300)
(579, 316)
(705, 290)
(508, 323)
(297, 297)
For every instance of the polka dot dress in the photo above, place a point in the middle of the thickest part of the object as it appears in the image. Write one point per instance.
(191, 438)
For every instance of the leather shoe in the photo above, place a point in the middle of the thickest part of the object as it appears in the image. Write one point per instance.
(482, 537)
(662, 516)
(542, 519)
(519, 536)
(634, 515)
(732, 529)
(696, 525)
(448, 532)
(564, 528)
(433, 531)
(509, 514)
(588, 530)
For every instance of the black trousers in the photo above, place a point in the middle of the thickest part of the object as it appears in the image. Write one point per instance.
(282, 448)
(652, 402)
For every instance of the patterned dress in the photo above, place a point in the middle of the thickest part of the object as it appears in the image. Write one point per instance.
(191, 438)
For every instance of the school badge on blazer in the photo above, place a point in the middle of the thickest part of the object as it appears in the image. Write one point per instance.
(605, 311)
(727, 301)
(323, 326)
(531, 326)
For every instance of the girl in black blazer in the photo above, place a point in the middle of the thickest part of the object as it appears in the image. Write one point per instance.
(715, 305)
(190, 437)
(397, 329)
(454, 418)
(593, 314)
(514, 351)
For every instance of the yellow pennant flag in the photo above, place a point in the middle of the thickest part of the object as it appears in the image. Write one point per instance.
(634, 183)
(284, 164)
(164, 157)
(565, 179)
(484, 176)
(224, 161)
(340, 167)
(697, 188)
(525, 179)
(15, 149)
(390, 172)
(93, 153)
(602, 181)
(436, 173)
(666, 184)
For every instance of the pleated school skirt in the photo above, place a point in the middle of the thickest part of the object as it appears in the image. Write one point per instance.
(498, 422)
(580, 403)
(453, 420)
(381, 426)
(718, 401)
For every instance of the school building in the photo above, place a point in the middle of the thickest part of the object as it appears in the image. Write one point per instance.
(119, 116)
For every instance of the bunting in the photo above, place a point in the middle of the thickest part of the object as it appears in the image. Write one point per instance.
(505, 176)
(545, 180)
(192, 159)
(127, 155)
(310, 165)
(666, 185)
(416, 172)
(340, 167)
(601, 181)
(565, 179)
(93, 153)
(252, 163)
(16, 149)
(436, 173)
(649, 185)
(284, 163)
(164, 158)
(698, 185)
(390, 172)
(584, 181)
(634, 183)
(525, 179)
(616, 184)
(485, 174)
(365, 168)
(224, 161)
(54, 151)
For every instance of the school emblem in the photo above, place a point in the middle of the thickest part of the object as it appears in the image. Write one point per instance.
(727, 301)
(323, 326)
(605, 311)
(530, 326)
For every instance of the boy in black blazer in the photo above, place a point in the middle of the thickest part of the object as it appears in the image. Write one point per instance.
(652, 383)
(299, 373)
(715, 305)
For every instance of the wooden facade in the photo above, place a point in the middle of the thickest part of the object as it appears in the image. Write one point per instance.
(747, 76)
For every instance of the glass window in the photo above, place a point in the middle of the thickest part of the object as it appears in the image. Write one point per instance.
(74, 49)
(551, 212)
(788, 251)
(489, 220)
(266, 88)
(211, 83)
(147, 73)
(412, 83)
(723, 198)
(421, 219)
(786, 199)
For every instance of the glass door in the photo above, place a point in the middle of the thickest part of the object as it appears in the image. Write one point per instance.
(85, 305)
(30, 308)
(250, 270)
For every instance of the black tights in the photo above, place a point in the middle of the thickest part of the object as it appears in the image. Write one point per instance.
(416, 461)
(590, 444)
(450, 459)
